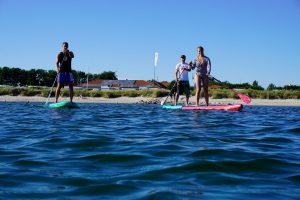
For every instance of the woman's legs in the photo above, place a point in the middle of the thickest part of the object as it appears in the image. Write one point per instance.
(205, 87)
(198, 88)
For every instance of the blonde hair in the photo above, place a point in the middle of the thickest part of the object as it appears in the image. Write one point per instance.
(201, 55)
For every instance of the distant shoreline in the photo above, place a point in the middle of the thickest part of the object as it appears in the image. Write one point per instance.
(149, 100)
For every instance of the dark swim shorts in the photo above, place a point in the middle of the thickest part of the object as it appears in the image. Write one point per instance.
(65, 77)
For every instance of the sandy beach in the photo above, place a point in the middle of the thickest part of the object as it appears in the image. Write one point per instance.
(148, 100)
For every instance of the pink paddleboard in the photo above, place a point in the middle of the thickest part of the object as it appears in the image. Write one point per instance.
(232, 107)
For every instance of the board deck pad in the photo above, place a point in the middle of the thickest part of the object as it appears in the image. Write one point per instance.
(172, 106)
(231, 107)
(64, 104)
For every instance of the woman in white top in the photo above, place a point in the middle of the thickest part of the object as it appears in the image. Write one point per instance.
(203, 67)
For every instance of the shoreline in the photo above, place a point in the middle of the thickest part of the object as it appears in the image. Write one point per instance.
(149, 100)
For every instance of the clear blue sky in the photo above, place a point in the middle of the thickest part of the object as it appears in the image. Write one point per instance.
(246, 40)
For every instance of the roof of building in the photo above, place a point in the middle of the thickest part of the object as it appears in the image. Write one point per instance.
(125, 83)
(119, 83)
(142, 83)
(96, 81)
(166, 83)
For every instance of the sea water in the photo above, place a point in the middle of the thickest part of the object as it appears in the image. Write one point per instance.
(133, 151)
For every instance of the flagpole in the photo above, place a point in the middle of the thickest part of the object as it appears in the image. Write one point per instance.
(155, 64)
(154, 78)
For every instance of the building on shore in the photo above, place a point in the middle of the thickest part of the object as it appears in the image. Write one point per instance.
(99, 84)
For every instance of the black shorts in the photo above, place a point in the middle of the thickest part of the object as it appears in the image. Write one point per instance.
(183, 86)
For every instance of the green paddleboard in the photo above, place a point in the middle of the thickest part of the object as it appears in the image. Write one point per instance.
(64, 104)
(172, 106)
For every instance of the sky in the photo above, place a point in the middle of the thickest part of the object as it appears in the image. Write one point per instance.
(246, 40)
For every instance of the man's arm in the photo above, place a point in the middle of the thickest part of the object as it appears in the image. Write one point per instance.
(176, 75)
(192, 65)
(57, 63)
(208, 67)
(188, 68)
(176, 72)
(71, 54)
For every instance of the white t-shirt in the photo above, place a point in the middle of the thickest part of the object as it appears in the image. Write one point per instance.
(182, 73)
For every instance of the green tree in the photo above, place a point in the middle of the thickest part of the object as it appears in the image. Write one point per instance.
(31, 77)
(6, 76)
(1, 76)
(271, 87)
(255, 86)
(41, 77)
(49, 78)
(107, 75)
(291, 87)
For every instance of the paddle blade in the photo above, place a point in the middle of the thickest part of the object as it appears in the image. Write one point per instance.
(245, 98)
(164, 101)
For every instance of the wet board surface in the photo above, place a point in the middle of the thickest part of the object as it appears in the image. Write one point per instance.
(231, 107)
(64, 104)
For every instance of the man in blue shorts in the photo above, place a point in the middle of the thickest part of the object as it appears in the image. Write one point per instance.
(64, 70)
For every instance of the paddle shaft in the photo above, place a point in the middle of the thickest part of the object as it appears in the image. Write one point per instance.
(169, 93)
(59, 68)
(243, 97)
(162, 103)
(235, 92)
(51, 89)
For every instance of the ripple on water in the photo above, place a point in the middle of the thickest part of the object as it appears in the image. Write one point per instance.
(117, 151)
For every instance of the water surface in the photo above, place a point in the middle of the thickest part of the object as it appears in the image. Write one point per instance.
(132, 151)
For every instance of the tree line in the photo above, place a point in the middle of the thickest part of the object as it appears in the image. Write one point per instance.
(253, 86)
(39, 77)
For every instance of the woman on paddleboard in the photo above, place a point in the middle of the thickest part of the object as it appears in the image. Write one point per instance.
(203, 67)
(182, 79)
(64, 70)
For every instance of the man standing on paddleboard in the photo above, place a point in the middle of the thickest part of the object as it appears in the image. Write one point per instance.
(182, 79)
(64, 70)
(203, 65)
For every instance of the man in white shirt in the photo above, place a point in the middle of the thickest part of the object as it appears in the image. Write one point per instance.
(182, 79)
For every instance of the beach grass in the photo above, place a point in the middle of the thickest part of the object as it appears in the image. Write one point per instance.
(213, 93)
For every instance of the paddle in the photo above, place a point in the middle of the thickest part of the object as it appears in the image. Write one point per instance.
(51, 89)
(59, 68)
(243, 97)
(163, 102)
